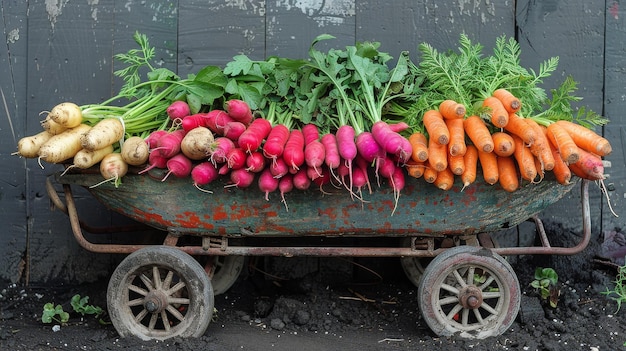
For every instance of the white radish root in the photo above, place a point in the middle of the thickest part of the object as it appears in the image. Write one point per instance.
(63, 146)
(29, 146)
(106, 132)
(67, 114)
(135, 151)
(112, 168)
(196, 144)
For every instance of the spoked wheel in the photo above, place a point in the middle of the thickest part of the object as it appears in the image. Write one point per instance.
(469, 291)
(414, 266)
(223, 271)
(160, 292)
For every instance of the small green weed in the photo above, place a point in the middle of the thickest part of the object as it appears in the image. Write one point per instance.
(55, 313)
(619, 291)
(546, 283)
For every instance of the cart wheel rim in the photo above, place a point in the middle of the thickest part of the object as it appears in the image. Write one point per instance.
(159, 293)
(469, 291)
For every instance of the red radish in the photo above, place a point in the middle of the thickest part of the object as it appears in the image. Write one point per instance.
(223, 169)
(301, 180)
(203, 173)
(397, 183)
(285, 185)
(310, 133)
(192, 121)
(589, 166)
(347, 148)
(363, 166)
(255, 162)
(398, 127)
(387, 167)
(241, 178)
(332, 159)
(391, 141)
(267, 183)
(220, 149)
(178, 110)
(313, 173)
(275, 142)
(359, 179)
(154, 137)
(155, 160)
(294, 150)
(169, 144)
(278, 168)
(250, 140)
(314, 155)
(323, 179)
(233, 130)
(239, 110)
(216, 121)
(178, 165)
(236, 158)
(368, 147)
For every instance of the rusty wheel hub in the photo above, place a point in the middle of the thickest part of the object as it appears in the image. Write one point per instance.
(155, 301)
(470, 297)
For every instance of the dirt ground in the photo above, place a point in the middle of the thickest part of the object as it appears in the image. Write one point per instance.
(372, 308)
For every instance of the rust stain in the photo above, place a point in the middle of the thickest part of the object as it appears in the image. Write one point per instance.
(330, 212)
(219, 214)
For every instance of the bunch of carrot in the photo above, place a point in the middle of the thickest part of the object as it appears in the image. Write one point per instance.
(503, 145)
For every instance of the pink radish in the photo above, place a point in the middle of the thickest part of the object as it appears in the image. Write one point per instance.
(314, 155)
(223, 169)
(178, 110)
(216, 121)
(347, 148)
(192, 121)
(363, 166)
(179, 165)
(220, 149)
(236, 158)
(203, 173)
(155, 160)
(301, 180)
(359, 179)
(391, 141)
(275, 142)
(285, 185)
(252, 138)
(332, 158)
(154, 137)
(241, 178)
(294, 150)
(310, 133)
(239, 110)
(233, 130)
(397, 183)
(398, 127)
(278, 168)
(267, 183)
(255, 162)
(169, 144)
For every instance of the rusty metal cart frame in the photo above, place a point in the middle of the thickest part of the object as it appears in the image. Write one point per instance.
(161, 291)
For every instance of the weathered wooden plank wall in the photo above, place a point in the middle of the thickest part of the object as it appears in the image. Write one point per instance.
(59, 51)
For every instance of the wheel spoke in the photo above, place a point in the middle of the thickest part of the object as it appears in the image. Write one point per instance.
(138, 290)
(465, 316)
(135, 302)
(491, 295)
(146, 281)
(168, 280)
(459, 278)
(470, 276)
(176, 313)
(487, 282)
(478, 316)
(489, 309)
(156, 277)
(450, 288)
(153, 319)
(175, 288)
(448, 300)
(166, 321)
(178, 300)
(141, 315)
(454, 311)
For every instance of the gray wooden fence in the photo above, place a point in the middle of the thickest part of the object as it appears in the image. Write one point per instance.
(62, 50)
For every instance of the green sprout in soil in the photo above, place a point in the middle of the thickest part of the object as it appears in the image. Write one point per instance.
(546, 283)
(52, 312)
(619, 291)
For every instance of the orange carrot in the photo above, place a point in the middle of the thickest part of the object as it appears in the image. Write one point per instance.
(499, 115)
(503, 144)
(471, 160)
(561, 171)
(414, 168)
(419, 144)
(456, 164)
(479, 134)
(560, 138)
(430, 175)
(489, 165)
(507, 172)
(444, 180)
(437, 155)
(540, 170)
(589, 166)
(456, 146)
(517, 125)
(510, 102)
(525, 160)
(586, 138)
(436, 128)
(451, 109)
(541, 148)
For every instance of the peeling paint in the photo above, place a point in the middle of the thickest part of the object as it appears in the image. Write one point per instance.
(323, 12)
(54, 9)
(13, 36)
(94, 9)
(484, 9)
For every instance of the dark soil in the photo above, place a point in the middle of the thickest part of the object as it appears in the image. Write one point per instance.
(371, 307)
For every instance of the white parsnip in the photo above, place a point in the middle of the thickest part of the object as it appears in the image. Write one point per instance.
(67, 114)
(135, 151)
(51, 126)
(196, 144)
(63, 146)
(87, 158)
(106, 132)
(29, 146)
(113, 168)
